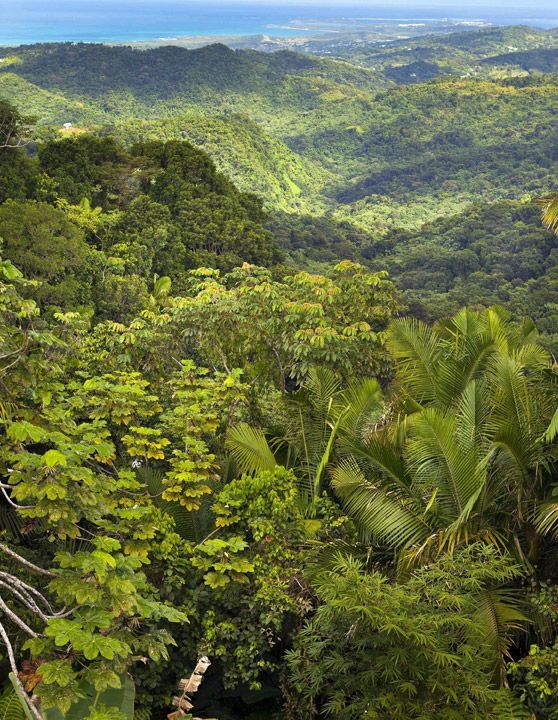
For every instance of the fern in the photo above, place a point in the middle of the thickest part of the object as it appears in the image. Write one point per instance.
(10, 706)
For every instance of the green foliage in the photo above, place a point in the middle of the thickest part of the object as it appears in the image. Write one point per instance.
(372, 162)
(490, 254)
(46, 246)
(10, 705)
(472, 403)
(86, 167)
(203, 450)
(535, 679)
(61, 477)
(220, 563)
(114, 703)
(534, 676)
(17, 171)
(410, 650)
(281, 328)
(249, 564)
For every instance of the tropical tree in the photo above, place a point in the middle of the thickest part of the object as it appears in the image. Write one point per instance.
(278, 330)
(417, 649)
(461, 456)
(13, 126)
(310, 424)
(76, 602)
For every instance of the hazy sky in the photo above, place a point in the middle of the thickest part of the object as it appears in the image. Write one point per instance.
(450, 6)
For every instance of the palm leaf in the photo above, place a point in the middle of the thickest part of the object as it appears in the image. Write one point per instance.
(552, 429)
(549, 209)
(547, 519)
(362, 406)
(438, 460)
(10, 522)
(321, 386)
(21, 696)
(416, 348)
(186, 522)
(250, 449)
(383, 514)
(324, 460)
(499, 616)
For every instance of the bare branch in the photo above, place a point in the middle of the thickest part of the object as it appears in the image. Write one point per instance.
(26, 589)
(26, 599)
(8, 551)
(6, 640)
(17, 620)
(10, 501)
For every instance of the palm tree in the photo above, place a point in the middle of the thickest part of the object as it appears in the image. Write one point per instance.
(463, 458)
(316, 417)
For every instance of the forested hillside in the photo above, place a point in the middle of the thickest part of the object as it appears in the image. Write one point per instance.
(278, 381)
(322, 135)
(453, 53)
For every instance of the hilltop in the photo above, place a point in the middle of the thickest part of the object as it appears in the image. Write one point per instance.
(345, 152)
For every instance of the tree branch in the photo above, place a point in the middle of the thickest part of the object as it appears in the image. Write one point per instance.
(27, 590)
(17, 620)
(10, 501)
(6, 640)
(8, 551)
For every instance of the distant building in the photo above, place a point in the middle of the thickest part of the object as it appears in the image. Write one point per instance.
(67, 126)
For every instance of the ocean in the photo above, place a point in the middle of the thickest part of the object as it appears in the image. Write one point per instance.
(31, 21)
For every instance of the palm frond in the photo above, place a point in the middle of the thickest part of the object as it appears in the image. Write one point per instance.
(362, 404)
(10, 705)
(465, 323)
(152, 478)
(474, 355)
(10, 521)
(383, 457)
(546, 520)
(473, 412)
(438, 460)
(499, 616)
(321, 386)
(549, 209)
(388, 517)
(416, 348)
(250, 449)
(552, 430)
(186, 522)
(324, 460)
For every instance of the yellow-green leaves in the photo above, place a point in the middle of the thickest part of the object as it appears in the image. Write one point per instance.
(222, 561)
(52, 458)
(146, 443)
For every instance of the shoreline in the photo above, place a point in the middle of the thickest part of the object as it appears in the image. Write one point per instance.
(322, 34)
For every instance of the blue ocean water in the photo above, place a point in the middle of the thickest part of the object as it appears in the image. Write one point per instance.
(30, 21)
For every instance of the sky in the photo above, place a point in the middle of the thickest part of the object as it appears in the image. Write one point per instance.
(451, 7)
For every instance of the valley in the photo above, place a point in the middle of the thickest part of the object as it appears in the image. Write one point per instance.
(384, 139)
(278, 378)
